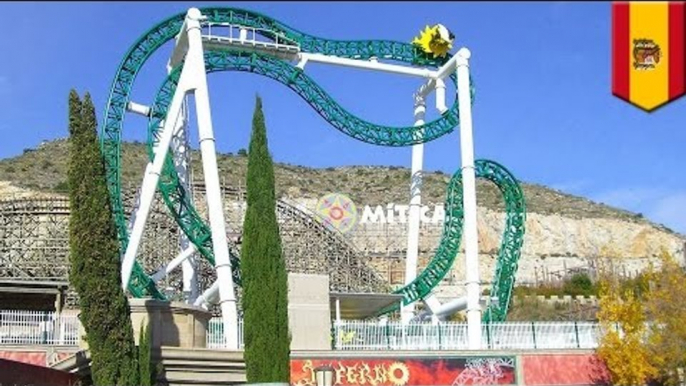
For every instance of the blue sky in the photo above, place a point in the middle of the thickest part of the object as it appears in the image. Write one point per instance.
(542, 70)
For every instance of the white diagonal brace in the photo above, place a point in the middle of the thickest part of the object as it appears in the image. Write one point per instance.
(151, 178)
(178, 260)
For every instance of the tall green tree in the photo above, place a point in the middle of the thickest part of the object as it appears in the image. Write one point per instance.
(94, 254)
(265, 280)
(145, 365)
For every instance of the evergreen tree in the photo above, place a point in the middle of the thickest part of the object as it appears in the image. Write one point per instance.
(94, 254)
(145, 365)
(265, 280)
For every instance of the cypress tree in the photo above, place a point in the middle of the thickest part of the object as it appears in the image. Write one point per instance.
(145, 365)
(94, 254)
(265, 280)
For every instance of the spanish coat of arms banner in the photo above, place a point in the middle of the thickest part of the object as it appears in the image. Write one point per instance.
(648, 52)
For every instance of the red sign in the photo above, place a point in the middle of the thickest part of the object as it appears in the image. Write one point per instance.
(454, 371)
(18, 373)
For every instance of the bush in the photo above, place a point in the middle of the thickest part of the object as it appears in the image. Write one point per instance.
(529, 309)
(579, 284)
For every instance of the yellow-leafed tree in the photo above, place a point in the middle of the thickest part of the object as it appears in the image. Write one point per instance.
(645, 326)
(623, 347)
(665, 305)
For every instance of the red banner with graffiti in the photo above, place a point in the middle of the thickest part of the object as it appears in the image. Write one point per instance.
(454, 371)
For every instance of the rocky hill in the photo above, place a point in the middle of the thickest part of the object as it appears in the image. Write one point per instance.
(43, 169)
(563, 231)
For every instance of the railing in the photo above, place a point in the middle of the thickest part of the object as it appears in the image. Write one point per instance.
(38, 328)
(251, 35)
(50, 328)
(53, 329)
(361, 335)
(215, 333)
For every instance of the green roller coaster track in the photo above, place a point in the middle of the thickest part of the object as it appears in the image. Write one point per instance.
(178, 200)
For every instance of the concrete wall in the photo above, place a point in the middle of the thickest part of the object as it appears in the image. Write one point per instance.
(309, 314)
(173, 324)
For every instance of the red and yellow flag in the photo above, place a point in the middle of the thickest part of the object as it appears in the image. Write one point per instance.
(648, 52)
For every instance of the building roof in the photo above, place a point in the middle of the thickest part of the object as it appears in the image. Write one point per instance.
(359, 306)
(31, 286)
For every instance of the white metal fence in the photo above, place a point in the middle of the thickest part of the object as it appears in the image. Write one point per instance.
(362, 335)
(38, 328)
(50, 328)
(215, 333)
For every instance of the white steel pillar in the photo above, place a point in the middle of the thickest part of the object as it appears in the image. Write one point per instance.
(469, 199)
(407, 312)
(227, 297)
(440, 96)
(181, 155)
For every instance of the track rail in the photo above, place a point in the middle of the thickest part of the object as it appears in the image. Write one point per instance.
(177, 199)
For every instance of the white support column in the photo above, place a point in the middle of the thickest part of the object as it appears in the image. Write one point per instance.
(227, 297)
(440, 96)
(469, 198)
(407, 312)
(181, 155)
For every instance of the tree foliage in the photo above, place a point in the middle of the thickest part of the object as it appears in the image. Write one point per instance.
(265, 280)
(94, 254)
(666, 308)
(145, 364)
(622, 347)
(579, 284)
(645, 336)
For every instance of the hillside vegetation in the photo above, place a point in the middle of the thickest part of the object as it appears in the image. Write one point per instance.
(44, 169)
